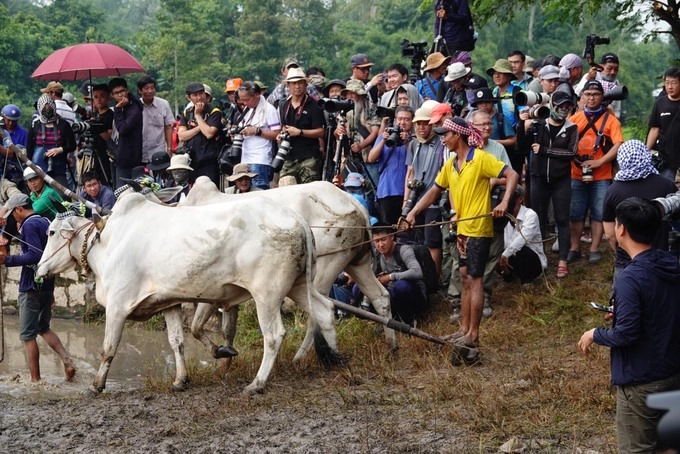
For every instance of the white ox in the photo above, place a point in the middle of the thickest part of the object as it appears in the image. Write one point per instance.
(150, 258)
(340, 227)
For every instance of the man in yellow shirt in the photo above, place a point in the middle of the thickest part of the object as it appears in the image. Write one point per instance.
(466, 174)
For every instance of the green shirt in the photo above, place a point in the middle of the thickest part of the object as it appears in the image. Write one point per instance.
(42, 203)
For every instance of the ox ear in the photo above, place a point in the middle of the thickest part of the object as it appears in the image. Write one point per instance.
(133, 184)
(99, 221)
(166, 194)
(56, 203)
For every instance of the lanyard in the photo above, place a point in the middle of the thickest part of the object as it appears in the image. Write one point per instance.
(298, 111)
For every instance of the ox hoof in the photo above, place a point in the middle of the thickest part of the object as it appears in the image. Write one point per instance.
(251, 390)
(92, 391)
(225, 351)
(178, 388)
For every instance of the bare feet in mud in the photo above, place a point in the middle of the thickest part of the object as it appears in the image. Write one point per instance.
(69, 370)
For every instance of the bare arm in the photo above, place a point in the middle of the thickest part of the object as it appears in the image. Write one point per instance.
(609, 232)
(652, 137)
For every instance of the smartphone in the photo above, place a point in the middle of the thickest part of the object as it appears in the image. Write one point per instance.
(600, 307)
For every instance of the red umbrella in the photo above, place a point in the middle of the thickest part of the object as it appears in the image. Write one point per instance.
(85, 61)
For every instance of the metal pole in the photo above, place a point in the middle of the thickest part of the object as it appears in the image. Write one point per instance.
(51, 181)
(389, 322)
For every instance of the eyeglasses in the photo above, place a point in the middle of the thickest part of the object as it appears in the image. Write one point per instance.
(119, 92)
(671, 83)
(592, 95)
(366, 69)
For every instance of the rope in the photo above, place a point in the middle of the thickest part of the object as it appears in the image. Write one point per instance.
(517, 222)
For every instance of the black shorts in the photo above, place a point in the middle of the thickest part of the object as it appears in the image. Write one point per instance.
(429, 236)
(474, 253)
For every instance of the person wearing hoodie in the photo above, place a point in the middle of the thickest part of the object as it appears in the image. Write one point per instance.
(128, 129)
(645, 335)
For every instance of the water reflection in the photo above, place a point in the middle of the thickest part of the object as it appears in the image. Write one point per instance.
(141, 354)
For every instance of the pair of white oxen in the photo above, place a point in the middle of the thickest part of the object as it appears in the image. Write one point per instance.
(222, 250)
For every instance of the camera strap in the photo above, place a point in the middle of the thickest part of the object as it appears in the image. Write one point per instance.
(429, 83)
(599, 134)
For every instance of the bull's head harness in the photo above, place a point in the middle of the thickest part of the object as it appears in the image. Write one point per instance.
(84, 249)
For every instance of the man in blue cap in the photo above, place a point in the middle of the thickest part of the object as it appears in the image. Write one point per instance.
(10, 118)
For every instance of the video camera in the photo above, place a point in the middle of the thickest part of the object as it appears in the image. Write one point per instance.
(333, 105)
(593, 40)
(94, 127)
(416, 52)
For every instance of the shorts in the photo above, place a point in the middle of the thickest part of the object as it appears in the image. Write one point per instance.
(587, 195)
(35, 313)
(304, 171)
(473, 253)
(429, 236)
(635, 421)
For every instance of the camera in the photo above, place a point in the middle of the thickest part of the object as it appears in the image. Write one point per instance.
(383, 112)
(539, 112)
(669, 205)
(586, 171)
(282, 154)
(395, 136)
(529, 98)
(416, 187)
(593, 40)
(82, 127)
(416, 52)
(333, 105)
(236, 143)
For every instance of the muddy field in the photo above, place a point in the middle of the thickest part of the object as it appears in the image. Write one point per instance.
(411, 401)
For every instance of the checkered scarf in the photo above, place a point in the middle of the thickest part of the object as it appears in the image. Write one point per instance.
(474, 135)
(635, 161)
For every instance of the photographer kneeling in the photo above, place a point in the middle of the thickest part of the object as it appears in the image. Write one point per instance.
(400, 272)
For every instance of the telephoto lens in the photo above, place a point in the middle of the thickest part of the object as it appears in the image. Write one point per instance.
(236, 144)
(282, 154)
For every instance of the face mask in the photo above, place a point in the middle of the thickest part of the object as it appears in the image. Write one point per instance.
(181, 177)
(48, 112)
(560, 113)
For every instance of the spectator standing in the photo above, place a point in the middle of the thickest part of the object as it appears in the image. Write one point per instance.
(303, 120)
(157, 120)
(201, 131)
(50, 140)
(468, 175)
(260, 125)
(645, 335)
(607, 76)
(453, 21)
(517, 59)
(128, 127)
(392, 170)
(600, 136)
(55, 90)
(397, 75)
(361, 70)
(508, 116)
(434, 70)
(553, 145)
(636, 177)
(19, 135)
(664, 124)
(35, 300)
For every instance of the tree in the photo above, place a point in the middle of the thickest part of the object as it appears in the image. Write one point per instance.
(630, 13)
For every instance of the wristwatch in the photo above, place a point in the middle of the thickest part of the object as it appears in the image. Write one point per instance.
(258, 132)
(302, 133)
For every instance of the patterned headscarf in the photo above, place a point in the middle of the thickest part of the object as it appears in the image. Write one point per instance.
(42, 102)
(635, 161)
(460, 126)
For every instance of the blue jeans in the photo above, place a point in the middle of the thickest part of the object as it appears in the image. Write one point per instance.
(587, 195)
(263, 177)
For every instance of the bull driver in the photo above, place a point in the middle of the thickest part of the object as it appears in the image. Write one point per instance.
(35, 299)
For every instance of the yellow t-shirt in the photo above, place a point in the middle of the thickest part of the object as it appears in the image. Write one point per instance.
(471, 190)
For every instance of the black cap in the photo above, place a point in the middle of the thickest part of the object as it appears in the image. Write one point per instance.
(609, 57)
(561, 97)
(194, 87)
(159, 161)
(327, 88)
(483, 95)
(593, 85)
(476, 82)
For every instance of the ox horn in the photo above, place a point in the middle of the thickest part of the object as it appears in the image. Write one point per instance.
(133, 184)
(99, 221)
(56, 203)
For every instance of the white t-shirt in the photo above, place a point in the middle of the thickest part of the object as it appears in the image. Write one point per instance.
(257, 149)
(155, 118)
(65, 111)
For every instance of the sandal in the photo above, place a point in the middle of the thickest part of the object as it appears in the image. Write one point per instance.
(562, 271)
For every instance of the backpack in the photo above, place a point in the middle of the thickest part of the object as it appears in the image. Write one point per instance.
(426, 263)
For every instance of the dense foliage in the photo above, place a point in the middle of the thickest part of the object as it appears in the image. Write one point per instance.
(180, 41)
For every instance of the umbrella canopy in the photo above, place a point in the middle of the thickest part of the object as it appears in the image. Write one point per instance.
(85, 61)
